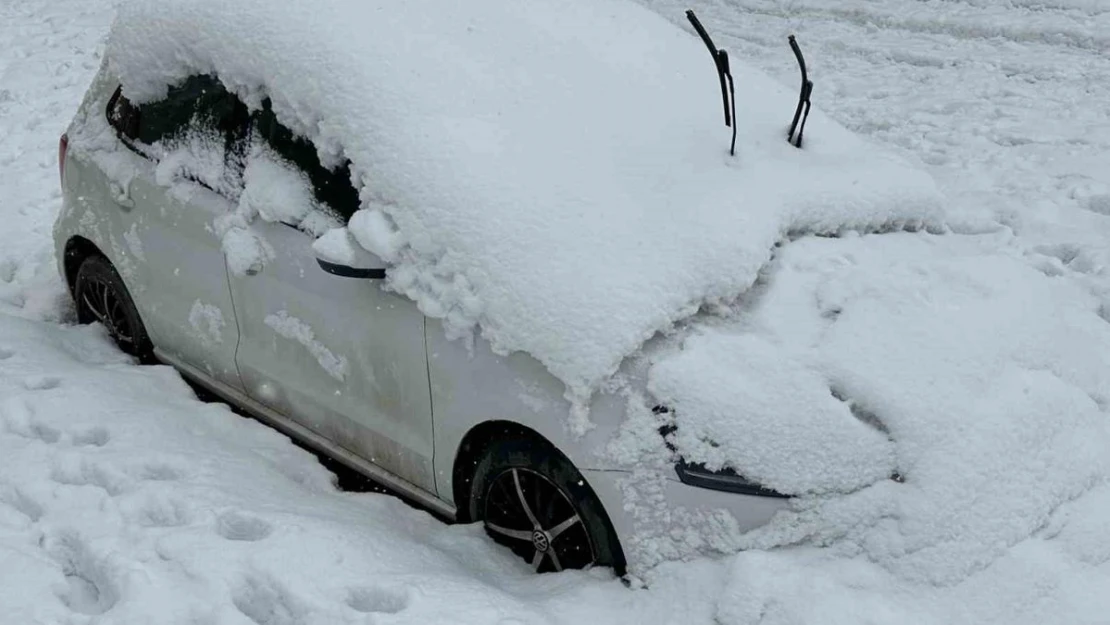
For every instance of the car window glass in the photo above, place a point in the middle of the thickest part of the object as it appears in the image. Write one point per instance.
(198, 119)
(123, 116)
(331, 187)
(199, 103)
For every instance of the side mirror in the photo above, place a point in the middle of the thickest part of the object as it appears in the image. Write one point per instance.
(338, 254)
(346, 271)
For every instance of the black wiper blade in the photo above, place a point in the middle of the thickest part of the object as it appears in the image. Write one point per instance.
(720, 60)
(724, 73)
(801, 114)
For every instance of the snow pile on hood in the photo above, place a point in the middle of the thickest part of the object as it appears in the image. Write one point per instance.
(982, 382)
(553, 172)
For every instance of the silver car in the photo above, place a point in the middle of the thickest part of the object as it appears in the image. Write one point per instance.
(318, 350)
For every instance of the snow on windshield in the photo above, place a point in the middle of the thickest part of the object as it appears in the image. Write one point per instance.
(555, 174)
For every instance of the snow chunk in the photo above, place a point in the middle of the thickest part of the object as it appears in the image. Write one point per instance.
(197, 156)
(536, 201)
(294, 329)
(273, 190)
(246, 253)
(374, 231)
(338, 246)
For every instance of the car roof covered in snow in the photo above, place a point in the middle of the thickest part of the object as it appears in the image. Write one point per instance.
(552, 172)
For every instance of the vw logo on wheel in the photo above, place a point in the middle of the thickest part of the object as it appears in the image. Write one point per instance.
(540, 541)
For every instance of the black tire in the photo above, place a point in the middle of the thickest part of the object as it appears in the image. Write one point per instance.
(100, 296)
(543, 531)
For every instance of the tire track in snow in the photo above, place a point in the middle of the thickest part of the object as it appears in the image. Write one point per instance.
(1072, 28)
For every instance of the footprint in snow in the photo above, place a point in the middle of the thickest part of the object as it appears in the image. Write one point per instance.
(90, 587)
(377, 599)
(97, 437)
(160, 472)
(21, 503)
(91, 474)
(41, 431)
(18, 418)
(6, 353)
(266, 602)
(160, 512)
(41, 382)
(238, 526)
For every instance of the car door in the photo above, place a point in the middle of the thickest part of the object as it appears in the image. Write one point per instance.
(175, 183)
(338, 355)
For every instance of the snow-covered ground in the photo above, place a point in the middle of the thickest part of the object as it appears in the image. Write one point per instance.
(123, 499)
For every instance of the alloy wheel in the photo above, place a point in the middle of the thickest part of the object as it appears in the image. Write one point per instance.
(98, 301)
(531, 515)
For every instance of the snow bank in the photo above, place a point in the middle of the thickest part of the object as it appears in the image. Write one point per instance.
(984, 383)
(554, 173)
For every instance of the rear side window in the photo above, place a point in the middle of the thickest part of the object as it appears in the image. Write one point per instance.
(123, 116)
(198, 121)
(199, 103)
(332, 187)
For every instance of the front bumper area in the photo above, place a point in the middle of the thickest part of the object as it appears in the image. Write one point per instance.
(659, 518)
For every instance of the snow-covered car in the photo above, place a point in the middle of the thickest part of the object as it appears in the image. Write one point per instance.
(431, 240)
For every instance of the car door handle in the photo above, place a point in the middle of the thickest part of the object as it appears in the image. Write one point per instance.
(121, 195)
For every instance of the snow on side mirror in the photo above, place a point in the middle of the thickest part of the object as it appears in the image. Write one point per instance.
(337, 253)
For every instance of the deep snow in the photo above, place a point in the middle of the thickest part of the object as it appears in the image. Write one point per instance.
(124, 499)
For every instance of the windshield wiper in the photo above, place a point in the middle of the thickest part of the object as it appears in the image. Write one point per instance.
(720, 60)
(802, 112)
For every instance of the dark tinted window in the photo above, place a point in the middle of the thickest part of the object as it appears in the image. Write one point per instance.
(332, 187)
(199, 103)
(123, 116)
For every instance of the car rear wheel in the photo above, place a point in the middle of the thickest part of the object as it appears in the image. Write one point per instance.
(532, 500)
(101, 297)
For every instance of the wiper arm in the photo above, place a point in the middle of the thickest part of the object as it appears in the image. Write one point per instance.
(720, 61)
(802, 112)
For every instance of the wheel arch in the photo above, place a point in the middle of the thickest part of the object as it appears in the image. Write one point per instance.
(473, 446)
(77, 250)
(476, 443)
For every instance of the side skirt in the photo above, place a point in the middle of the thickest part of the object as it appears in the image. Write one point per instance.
(311, 439)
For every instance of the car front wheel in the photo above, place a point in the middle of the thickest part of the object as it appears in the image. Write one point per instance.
(532, 500)
(101, 297)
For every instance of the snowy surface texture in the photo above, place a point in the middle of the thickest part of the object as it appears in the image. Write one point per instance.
(124, 500)
(568, 194)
